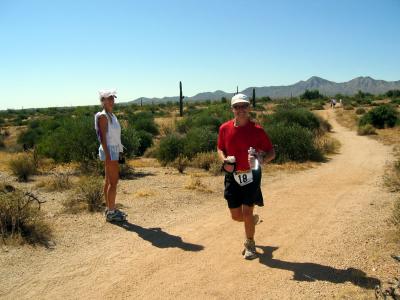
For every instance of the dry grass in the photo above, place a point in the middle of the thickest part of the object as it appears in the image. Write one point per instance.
(366, 130)
(144, 193)
(195, 183)
(166, 125)
(289, 167)
(57, 183)
(5, 158)
(11, 140)
(327, 144)
(389, 136)
(23, 166)
(347, 118)
(143, 162)
(88, 195)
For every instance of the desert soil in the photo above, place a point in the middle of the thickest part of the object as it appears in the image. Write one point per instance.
(324, 235)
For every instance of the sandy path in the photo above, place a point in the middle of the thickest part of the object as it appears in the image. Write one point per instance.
(314, 242)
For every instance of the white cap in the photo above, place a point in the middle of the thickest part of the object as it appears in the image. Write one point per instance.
(107, 93)
(239, 98)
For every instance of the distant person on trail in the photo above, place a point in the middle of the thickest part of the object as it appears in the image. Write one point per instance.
(333, 103)
(243, 147)
(108, 132)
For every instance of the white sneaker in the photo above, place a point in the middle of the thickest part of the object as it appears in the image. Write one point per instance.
(256, 219)
(249, 251)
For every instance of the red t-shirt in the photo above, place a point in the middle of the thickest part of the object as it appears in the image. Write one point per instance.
(236, 141)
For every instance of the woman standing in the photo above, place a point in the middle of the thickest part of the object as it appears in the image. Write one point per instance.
(108, 132)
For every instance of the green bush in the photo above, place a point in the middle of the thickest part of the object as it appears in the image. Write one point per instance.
(20, 216)
(292, 116)
(145, 141)
(366, 130)
(293, 143)
(360, 111)
(309, 95)
(170, 147)
(131, 140)
(380, 117)
(211, 117)
(23, 166)
(74, 140)
(143, 121)
(200, 139)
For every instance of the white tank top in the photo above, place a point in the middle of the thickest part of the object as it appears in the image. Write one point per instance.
(113, 135)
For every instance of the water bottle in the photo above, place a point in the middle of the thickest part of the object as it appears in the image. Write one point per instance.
(254, 164)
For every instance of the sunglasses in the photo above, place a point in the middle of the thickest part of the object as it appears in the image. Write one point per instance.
(243, 106)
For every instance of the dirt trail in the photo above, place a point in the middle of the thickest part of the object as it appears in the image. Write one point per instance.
(314, 242)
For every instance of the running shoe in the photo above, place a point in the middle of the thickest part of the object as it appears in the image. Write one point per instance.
(249, 251)
(115, 216)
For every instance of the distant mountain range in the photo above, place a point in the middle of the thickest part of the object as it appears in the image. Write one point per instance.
(326, 87)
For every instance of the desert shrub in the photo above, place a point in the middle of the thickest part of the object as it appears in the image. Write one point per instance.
(151, 151)
(348, 107)
(180, 163)
(143, 121)
(204, 160)
(200, 139)
(73, 140)
(360, 111)
(23, 166)
(380, 117)
(311, 94)
(324, 125)
(145, 141)
(395, 101)
(131, 140)
(2, 145)
(327, 144)
(392, 177)
(366, 130)
(36, 130)
(20, 216)
(170, 147)
(59, 181)
(211, 117)
(291, 116)
(293, 143)
(88, 195)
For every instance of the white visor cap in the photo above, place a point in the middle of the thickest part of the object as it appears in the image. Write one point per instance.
(107, 93)
(239, 98)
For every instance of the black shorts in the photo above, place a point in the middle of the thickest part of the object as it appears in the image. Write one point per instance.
(249, 194)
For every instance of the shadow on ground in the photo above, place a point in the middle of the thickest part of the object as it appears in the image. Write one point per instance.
(316, 272)
(159, 238)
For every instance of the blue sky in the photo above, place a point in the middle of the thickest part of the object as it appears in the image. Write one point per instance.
(59, 53)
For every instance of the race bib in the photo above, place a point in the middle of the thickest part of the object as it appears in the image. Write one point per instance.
(243, 178)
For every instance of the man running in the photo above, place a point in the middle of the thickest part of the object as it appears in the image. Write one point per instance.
(242, 145)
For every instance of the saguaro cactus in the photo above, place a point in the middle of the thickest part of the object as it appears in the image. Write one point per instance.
(254, 98)
(180, 99)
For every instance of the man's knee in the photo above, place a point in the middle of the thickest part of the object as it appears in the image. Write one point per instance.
(236, 214)
(247, 212)
(237, 218)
